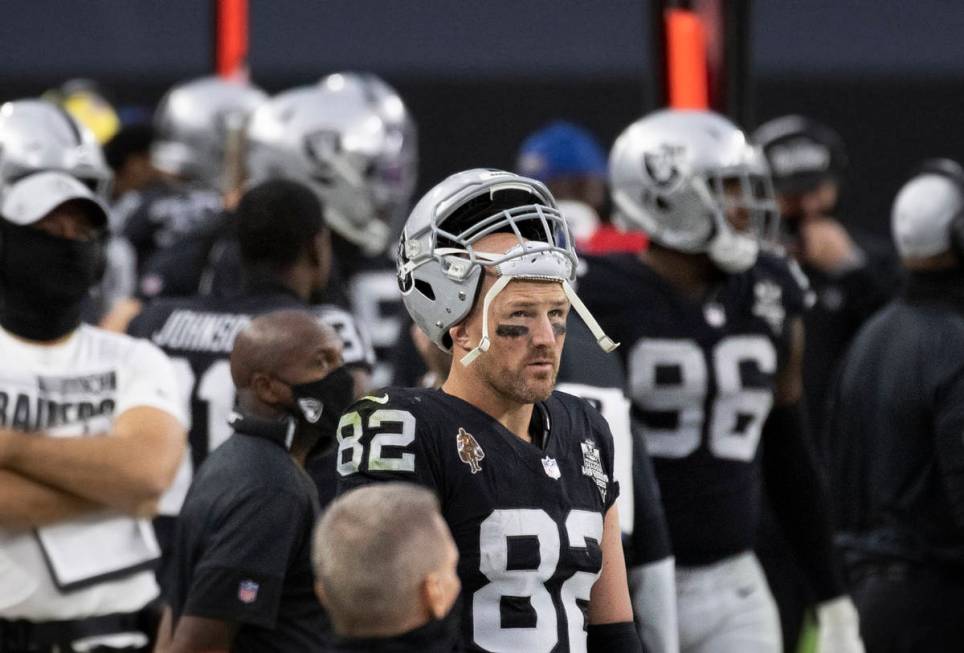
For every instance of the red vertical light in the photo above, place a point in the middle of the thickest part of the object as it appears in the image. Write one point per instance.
(231, 50)
(686, 60)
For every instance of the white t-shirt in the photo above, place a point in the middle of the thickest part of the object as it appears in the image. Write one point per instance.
(75, 388)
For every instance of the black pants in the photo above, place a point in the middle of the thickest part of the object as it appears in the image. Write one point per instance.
(909, 609)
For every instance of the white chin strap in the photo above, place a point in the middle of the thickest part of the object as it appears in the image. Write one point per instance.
(605, 342)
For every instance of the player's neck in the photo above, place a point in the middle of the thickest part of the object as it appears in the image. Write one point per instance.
(515, 417)
(690, 274)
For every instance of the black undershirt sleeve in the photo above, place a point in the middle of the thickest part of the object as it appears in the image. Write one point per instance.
(613, 638)
(800, 497)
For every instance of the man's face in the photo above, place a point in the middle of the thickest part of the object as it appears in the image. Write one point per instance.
(527, 327)
(819, 201)
(320, 355)
(70, 220)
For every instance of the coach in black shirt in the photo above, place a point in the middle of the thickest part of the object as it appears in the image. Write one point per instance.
(241, 579)
(896, 425)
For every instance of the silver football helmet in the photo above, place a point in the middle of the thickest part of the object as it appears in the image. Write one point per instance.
(677, 174)
(36, 135)
(439, 271)
(194, 122)
(349, 137)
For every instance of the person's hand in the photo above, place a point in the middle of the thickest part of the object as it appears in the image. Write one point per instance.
(839, 627)
(827, 246)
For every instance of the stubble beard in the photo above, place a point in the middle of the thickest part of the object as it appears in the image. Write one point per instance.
(516, 385)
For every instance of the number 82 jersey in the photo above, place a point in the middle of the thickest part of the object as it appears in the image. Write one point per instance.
(527, 520)
(701, 378)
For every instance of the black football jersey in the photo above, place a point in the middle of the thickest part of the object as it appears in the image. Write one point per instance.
(701, 376)
(527, 520)
(198, 334)
(588, 372)
(371, 285)
(163, 214)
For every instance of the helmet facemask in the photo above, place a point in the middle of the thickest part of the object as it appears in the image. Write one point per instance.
(544, 252)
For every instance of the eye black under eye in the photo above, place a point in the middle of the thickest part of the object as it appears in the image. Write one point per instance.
(511, 330)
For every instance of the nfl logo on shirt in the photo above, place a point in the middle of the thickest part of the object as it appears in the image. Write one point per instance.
(247, 591)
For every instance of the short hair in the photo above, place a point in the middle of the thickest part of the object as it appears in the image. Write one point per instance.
(132, 140)
(372, 550)
(277, 221)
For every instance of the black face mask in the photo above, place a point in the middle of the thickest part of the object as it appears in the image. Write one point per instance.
(44, 280)
(319, 404)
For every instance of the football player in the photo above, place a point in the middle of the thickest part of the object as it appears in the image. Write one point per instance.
(895, 423)
(193, 155)
(524, 474)
(712, 343)
(350, 139)
(285, 258)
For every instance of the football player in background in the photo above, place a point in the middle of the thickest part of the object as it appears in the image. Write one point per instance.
(895, 424)
(196, 123)
(285, 260)
(351, 140)
(712, 343)
(524, 474)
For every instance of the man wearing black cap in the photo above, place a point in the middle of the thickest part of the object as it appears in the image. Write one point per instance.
(79, 407)
(848, 282)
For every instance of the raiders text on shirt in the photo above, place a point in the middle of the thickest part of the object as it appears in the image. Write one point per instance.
(24, 412)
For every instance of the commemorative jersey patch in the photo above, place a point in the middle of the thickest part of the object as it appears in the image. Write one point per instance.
(470, 452)
(592, 466)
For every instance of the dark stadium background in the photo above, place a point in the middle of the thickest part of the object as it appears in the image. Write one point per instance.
(888, 74)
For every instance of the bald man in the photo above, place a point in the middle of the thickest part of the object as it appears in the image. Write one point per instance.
(385, 569)
(241, 578)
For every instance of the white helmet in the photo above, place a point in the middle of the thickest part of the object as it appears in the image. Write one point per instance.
(39, 136)
(439, 271)
(669, 173)
(194, 121)
(349, 137)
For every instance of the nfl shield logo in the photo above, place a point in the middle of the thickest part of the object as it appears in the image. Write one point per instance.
(247, 591)
(551, 467)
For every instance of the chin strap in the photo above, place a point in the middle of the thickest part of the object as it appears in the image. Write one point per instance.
(605, 342)
(483, 345)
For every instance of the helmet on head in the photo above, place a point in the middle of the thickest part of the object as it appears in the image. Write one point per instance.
(440, 272)
(928, 213)
(38, 136)
(193, 123)
(802, 153)
(675, 174)
(350, 138)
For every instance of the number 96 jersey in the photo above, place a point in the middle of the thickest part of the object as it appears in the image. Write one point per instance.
(701, 378)
(527, 520)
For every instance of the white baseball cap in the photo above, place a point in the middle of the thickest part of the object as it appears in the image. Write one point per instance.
(29, 199)
(922, 215)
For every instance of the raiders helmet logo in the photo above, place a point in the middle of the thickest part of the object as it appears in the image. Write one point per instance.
(311, 409)
(322, 145)
(470, 452)
(662, 165)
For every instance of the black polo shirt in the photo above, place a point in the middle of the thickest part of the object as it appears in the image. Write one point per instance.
(242, 550)
(434, 637)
